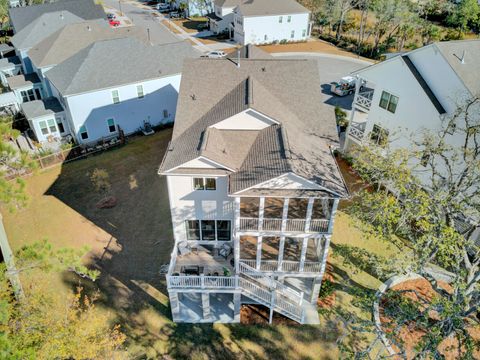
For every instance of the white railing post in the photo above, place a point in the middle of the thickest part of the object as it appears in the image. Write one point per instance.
(309, 214)
(280, 253)
(332, 216)
(236, 237)
(303, 254)
(284, 215)
(261, 210)
(259, 252)
(202, 281)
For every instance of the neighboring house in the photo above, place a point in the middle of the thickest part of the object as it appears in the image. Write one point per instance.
(46, 118)
(118, 84)
(72, 38)
(21, 17)
(10, 66)
(26, 87)
(253, 188)
(414, 92)
(36, 31)
(261, 21)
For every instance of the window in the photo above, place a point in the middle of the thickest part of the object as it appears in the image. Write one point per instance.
(304, 33)
(43, 127)
(204, 183)
(289, 18)
(223, 230)
(210, 184)
(24, 96)
(209, 230)
(280, 19)
(115, 97)
(198, 184)
(140, 91)
(51, 125)
(38, 94)
(193, 229)
(165, 113)
(31, 95)
(60, 126)
(292, 35)
(388, 102)
(83, 132)
(111, 125)
(379, 135)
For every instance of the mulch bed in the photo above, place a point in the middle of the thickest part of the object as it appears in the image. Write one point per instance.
(259, 315)
(409, 334)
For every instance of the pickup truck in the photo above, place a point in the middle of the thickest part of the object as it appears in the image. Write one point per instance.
(346, 86)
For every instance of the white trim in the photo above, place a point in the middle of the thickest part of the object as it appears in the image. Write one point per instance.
(220, 166)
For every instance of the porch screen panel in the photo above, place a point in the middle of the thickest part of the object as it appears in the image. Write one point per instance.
(248, 247)
(292, 250)
(270, 248)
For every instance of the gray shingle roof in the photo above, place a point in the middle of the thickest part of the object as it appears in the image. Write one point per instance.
(20, 17)
(43, 26)
(19, 81)
(72, 38)
(285, 90)
(269, 7)
(469, 70)
(250, 51)
(34, 109)
(111, 63)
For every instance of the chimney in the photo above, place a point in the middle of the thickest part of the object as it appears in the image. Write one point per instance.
(463, 57)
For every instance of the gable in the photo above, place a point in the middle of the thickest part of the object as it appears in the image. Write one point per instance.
(245, 120)
(288, 181)
(200, 163)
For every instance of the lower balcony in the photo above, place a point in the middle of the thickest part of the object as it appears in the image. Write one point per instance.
(286, 266)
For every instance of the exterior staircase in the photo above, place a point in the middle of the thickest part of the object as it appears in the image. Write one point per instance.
(271, 293)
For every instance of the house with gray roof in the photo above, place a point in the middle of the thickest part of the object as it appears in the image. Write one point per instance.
(261, 21)
(21, 17)
(117, 85)
(253, 188)
(72, 38)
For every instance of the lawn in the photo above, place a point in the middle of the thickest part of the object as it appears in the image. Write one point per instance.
(129, 243)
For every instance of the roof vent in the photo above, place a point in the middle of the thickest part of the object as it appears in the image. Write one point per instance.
(462, 60)
(61, 15)
(264, 69)
(89, 28)
(193, 97)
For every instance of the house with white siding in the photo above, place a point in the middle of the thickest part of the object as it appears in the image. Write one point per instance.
(412, 93)
(253, 188)
(261, 21)
(118, 85)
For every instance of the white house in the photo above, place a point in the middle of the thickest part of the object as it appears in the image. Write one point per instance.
(253, 189)
(118, 84)
(412, 93)
(261, 21)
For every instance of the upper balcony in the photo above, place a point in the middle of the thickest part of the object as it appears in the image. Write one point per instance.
(364, 98)
(301, 215)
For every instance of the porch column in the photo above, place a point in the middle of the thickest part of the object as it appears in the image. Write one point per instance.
(326, 245)
(280, 253)
(303, 254)
(174, 305)
(308, 219)
(261, 210)
(237, 306)
(236, 236)
(317, 283)
(285, 214)
(332, 215)
(206, 305)
(259, 253)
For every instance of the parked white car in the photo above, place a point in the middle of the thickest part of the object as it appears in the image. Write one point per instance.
(216, 54)
(163, 7)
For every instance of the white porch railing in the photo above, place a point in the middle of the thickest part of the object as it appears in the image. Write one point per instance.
(292, 225)
(357, 129)
(202, 282)
(287, 266)
(364, 99)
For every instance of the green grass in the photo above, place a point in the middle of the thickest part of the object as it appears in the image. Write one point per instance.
(129, 243)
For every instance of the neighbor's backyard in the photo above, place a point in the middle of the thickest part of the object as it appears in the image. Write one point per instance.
(131, 241)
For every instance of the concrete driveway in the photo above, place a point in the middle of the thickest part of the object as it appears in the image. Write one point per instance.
(331, 68)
